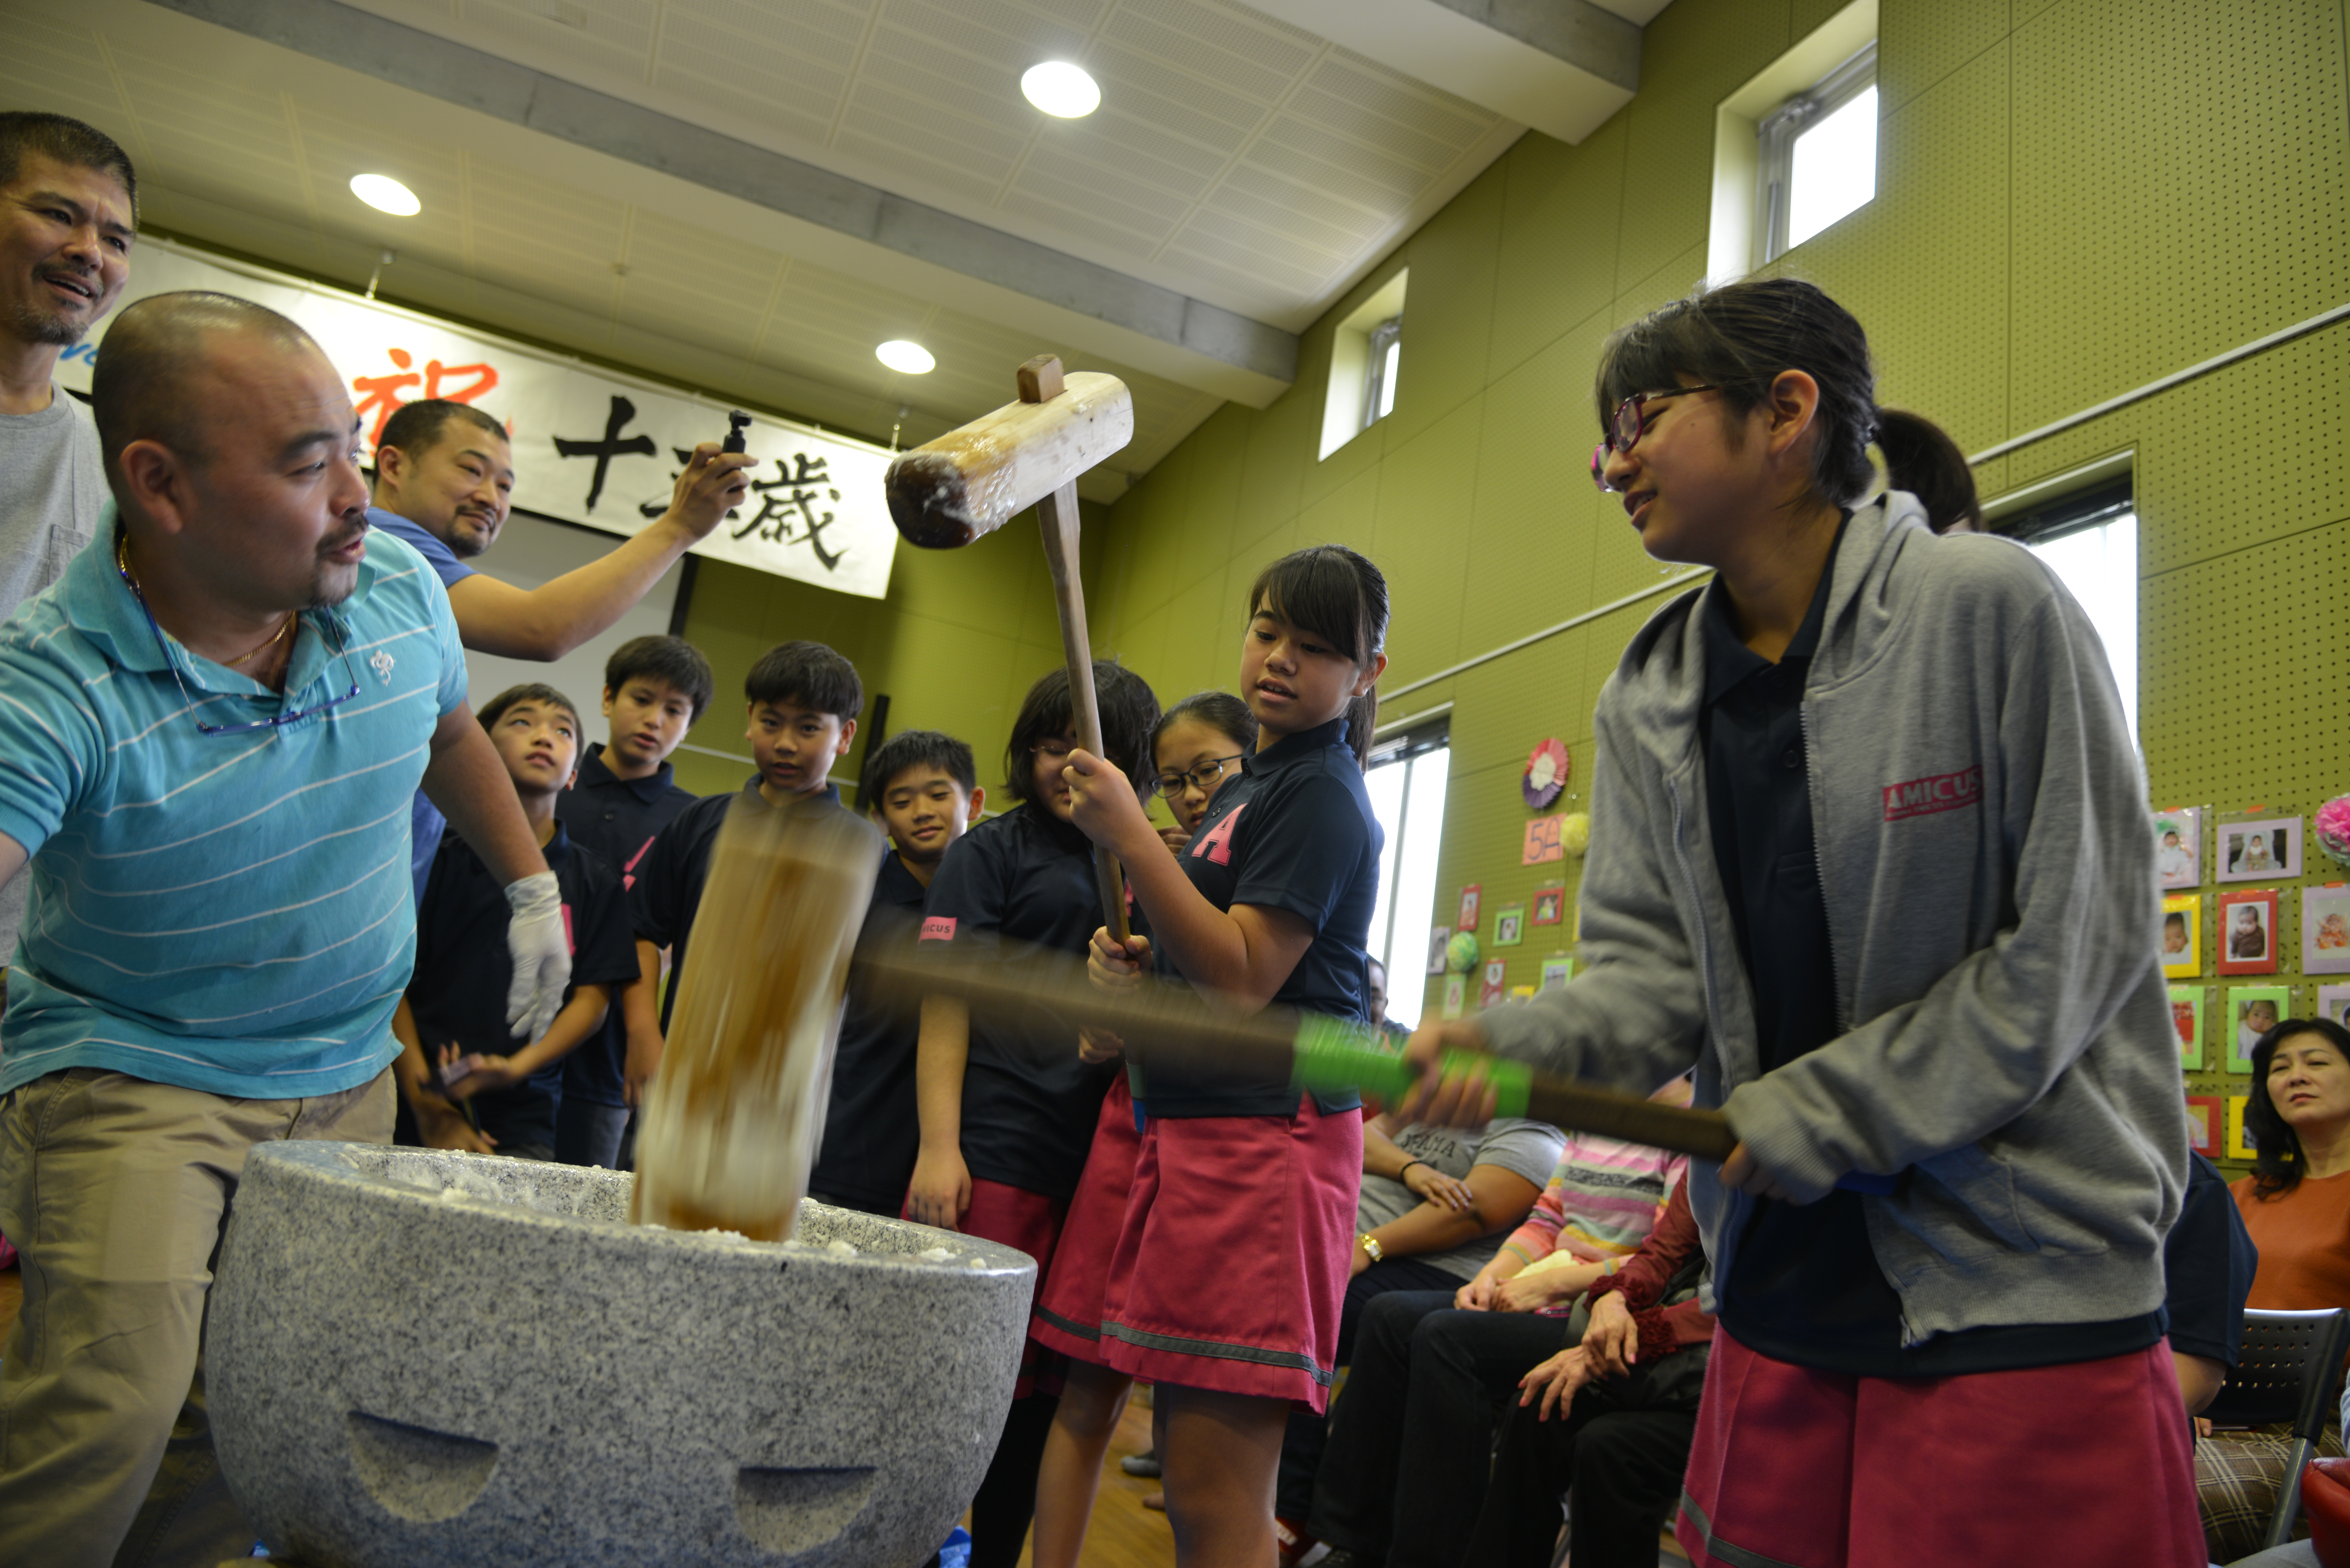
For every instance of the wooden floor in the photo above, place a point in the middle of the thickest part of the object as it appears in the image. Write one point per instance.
(1124, 1534)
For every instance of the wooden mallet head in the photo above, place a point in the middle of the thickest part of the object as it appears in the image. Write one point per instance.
(972, 481)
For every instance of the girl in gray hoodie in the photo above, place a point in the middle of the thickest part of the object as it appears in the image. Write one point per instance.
(1869, 847)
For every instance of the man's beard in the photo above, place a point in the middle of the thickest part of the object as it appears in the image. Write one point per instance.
(332, 583)
(35, 325)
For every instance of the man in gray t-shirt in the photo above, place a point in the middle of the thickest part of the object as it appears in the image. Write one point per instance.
(68, 207)
(1527, 1150)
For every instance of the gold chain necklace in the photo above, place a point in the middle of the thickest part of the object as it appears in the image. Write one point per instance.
(122, 564)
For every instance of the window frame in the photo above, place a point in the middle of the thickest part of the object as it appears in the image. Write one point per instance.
(2093, 504)
(1775, 135)
(1378, 393)
(1403, 748)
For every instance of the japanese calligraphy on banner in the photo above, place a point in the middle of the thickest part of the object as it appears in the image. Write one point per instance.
(590, 446)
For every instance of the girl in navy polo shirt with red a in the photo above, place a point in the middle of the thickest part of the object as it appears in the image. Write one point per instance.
(1225, 1285)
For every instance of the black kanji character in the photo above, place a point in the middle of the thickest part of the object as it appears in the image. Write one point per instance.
(610, 447)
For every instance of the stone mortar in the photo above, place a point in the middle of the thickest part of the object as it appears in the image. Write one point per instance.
(428, 1360)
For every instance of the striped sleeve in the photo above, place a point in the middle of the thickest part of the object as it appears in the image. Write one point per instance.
(50, 739)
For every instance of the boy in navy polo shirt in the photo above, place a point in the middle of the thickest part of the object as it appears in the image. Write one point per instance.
(804, 700)
(454, 1012)
(922, 788)
(655, 689)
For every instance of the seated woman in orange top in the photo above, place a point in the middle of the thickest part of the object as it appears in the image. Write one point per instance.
(2296, 1202)
(2296, 1205)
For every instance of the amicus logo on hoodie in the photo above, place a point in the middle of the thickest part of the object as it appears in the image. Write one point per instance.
(938, 929)
(1942, 792)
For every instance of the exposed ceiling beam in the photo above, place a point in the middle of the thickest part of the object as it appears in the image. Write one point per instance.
(1562, 66)
(1227, 353)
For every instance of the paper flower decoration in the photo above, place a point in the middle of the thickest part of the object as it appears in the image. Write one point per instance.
(1574, 832)
(1547, 772)
(1461, 952)
(2334, 829)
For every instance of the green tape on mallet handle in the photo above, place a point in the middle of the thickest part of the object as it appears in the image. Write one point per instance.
(1332, 1056)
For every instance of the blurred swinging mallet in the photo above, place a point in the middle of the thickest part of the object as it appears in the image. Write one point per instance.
(972, 481)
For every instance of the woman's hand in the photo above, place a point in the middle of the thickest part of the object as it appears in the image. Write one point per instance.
(1556, 1381)
(940, 1193)
(1114, 964)
(1103, 804)
(1477, 1295)
(1096, 1046)
(1545, 1287)
(1175, 836)
(1359, 1261)
(1613, 1340)
(1742, 1172)
(1433, 1186)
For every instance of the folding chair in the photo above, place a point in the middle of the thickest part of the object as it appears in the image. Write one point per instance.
(2289, 1368)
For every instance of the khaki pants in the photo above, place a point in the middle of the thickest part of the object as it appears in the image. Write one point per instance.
(115, 1191)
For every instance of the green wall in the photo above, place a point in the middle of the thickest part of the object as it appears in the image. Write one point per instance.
(2075, 197)
(957, 642)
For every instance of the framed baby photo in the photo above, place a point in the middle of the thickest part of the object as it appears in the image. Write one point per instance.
(2182, 936)
(1472, 898)
(1510, 926)
(1559, 968)
(1437, 940)
(2204, 1124)
(2244, 931)
(2334, 1002)
(2253, 1011)
(2325, 930)
(2178, 847)
(1496, 980)
(2186, 1005)
(2259, 849)
(1550, 905)
(1456, 995)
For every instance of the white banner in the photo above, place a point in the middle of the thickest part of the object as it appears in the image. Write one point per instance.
(590, 446)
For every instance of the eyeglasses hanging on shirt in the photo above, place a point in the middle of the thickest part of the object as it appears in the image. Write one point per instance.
(342, 651)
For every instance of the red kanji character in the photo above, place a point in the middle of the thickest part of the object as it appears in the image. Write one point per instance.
(383, 392)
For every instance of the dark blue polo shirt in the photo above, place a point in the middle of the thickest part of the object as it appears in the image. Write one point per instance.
(462, 968)
(616, 820)
(2208, 1261)
(1296, 832)
(1017, 892)
(872, 1128)
(1807, 1287)
(671, 876)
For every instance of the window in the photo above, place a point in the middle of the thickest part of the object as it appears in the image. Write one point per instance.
(2089, 539)
(1365, 352)
(1407, 781)
(1386, 351)
(1815, 156)
(1795, 148)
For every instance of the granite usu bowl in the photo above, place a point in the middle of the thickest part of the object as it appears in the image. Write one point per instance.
(418, 1358)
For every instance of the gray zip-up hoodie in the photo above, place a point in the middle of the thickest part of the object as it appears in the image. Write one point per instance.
(1987, 866)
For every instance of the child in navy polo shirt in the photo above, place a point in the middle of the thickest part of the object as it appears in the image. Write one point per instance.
(802, 701)
(655, 689)
(1246, 1182)
(922, 789)
(453, 1015)
(1008, 1107)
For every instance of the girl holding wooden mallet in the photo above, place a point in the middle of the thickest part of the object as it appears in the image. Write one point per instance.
(1869, 845)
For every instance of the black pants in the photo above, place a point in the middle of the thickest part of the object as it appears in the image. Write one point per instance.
(1409, 1447)
(1006, 1504)
(1302, 1445)
(589, 1133)
(1622, 1465)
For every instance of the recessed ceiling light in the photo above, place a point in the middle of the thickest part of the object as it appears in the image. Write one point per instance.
(910, 359)
(386, 195)
(1061, 88)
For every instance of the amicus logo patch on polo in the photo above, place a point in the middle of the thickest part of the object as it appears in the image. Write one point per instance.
(939, 929)
(1941, 792)
(1216, 844)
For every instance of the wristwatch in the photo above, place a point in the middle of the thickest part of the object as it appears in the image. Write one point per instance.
(1371, 1243)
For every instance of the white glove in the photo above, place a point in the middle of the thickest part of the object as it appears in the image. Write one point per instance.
(541, 950)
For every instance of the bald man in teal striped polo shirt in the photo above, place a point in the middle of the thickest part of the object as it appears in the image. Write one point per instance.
(209, 729)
